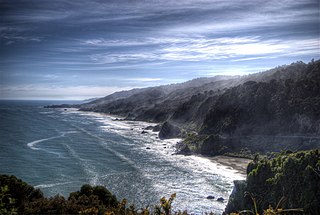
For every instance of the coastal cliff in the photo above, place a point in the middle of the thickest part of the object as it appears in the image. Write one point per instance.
(275, 110)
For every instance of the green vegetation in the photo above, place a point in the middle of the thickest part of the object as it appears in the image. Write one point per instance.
(289, 179)
(17, 197)
(212, 145)
(6, 202)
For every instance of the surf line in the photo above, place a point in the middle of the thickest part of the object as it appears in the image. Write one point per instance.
(32, 145)
(52, 185)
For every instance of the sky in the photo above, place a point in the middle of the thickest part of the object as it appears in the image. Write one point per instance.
(81, 49)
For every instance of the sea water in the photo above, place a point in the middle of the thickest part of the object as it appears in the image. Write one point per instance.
(58, 150)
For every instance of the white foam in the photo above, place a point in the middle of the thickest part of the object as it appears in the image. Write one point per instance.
(69, 132)
(116, 124)
(208, 177)
(46, 112)
(133, 129)
(51, 185)
(32, 145)
(205, 165)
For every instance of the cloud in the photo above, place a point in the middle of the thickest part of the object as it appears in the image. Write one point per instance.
(195, 49)
(143, 43)
(11, 38)
(123, 57)
(102, 43)
(11, 35)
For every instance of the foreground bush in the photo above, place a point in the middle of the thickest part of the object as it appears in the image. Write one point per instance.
(17, 197)
(289, 179)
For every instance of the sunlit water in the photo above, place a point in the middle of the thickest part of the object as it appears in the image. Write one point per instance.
(58, 151)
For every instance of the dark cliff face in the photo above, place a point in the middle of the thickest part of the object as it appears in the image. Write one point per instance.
(168, 131)
(275, 107)
(266, 116)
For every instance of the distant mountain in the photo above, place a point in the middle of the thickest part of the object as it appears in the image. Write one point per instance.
(236, 115)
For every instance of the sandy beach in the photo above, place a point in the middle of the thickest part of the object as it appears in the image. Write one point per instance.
(239, 164)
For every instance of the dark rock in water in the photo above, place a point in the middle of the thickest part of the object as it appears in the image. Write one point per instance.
(210, 197)
(65, 109)
(62, 106)
(156, 128)
(220, 199)
(169, 131)
(149, 127)
(144, 132)
(148, 148)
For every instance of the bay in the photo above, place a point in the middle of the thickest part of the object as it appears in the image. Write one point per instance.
(59, 150)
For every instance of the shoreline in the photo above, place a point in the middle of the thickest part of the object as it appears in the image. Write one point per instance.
(226, 169)
(235, 163)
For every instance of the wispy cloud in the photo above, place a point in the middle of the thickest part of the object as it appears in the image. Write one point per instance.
(11, 35)
(123, 57)
(111, 43)
(194, 49)
(11, 39)
(121, 43)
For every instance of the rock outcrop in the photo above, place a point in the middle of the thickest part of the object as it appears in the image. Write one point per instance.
(168, 131)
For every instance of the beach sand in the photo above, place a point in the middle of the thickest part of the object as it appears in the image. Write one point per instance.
(239, 164)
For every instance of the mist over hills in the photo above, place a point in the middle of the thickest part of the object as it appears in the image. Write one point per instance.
(268, 111)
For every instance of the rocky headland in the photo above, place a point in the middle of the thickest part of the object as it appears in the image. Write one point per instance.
(265, 112)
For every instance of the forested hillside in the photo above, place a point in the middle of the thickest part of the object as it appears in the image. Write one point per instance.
(274, 110)
(268, 111)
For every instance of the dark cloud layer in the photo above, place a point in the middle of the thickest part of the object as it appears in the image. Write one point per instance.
(98, 47)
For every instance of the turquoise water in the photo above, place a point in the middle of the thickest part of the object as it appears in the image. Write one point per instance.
(58, 150)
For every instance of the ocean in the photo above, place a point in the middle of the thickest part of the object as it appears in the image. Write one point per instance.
(59, 150)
